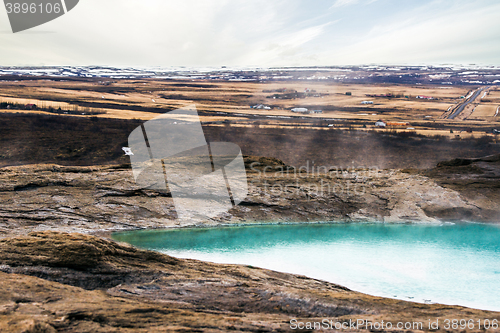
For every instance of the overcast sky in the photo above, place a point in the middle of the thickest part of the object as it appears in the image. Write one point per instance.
(260, 33)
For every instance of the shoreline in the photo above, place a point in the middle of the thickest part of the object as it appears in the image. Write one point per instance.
(250, 224)
(244, 225)
(92, 284)
(137, 288)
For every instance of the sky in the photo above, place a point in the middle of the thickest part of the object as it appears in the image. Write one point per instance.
(260, 33)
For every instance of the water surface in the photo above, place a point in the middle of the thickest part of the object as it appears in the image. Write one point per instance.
(450, 264)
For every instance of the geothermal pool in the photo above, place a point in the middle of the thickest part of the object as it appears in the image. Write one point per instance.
(450, 263)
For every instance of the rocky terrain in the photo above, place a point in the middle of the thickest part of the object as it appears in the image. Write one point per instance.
(57, 282)
(477, 179)
(106, 198)
(83, 282)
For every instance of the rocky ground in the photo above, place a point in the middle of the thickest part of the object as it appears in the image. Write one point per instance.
(60, 282)
(57, 282)
(106, 198)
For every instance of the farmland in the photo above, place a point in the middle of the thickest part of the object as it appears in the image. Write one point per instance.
(86, 121)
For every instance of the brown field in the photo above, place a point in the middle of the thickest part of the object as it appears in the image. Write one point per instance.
(484, 111)
(445, 96)
(486, 106)
(229, 96)
(231, 101)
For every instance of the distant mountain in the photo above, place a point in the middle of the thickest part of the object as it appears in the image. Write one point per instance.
(445, 74)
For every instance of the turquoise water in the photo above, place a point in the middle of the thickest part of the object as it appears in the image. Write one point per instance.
(450, 264)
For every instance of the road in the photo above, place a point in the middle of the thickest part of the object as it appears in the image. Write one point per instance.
(464, 104)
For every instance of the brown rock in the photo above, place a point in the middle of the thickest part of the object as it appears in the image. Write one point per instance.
(149, 291)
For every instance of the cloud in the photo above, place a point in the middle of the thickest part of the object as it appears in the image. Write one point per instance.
(459, 33)
(303, 36)
(343, 3)
(286, 48)
(259, 33)
(152, 32)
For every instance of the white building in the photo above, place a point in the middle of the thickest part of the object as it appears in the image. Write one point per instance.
(380, 123)
(367, 102)
(261, 107)
(300, 110)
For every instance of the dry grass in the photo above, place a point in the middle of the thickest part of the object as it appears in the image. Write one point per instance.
(484, 110)
(144, 99)
(487, 107)
(229, 96)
